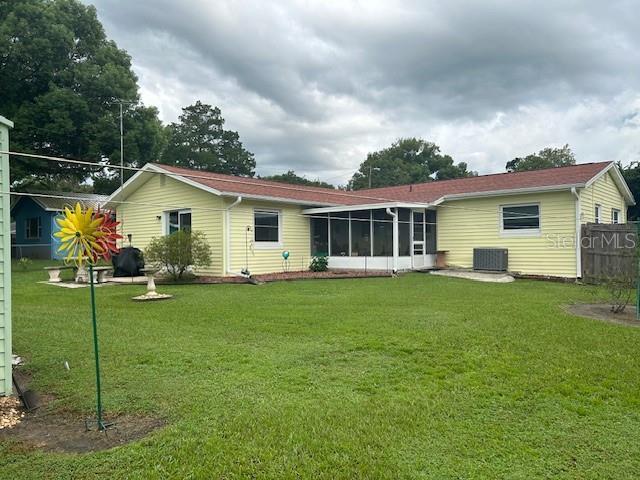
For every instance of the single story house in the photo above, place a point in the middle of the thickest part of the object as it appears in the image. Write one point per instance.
(34, 216)
(535, 216)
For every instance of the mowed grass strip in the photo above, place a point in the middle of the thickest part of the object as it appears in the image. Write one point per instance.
(413, 377)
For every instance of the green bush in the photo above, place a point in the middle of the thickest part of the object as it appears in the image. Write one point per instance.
(24, 263)
(178, 251)
(319, 263)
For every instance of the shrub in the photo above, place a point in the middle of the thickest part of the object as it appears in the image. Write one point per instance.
(179, 251)
(619, 289)
(24, 263)
(319, 263)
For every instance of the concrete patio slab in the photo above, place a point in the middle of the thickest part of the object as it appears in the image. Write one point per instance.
(497, 277)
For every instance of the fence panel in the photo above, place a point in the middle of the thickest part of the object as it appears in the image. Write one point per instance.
(608, 251)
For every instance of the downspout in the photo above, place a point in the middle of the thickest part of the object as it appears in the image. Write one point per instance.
(578, 233)
(227, 243)
(396, 246)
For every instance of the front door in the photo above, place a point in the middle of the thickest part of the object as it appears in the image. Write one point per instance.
(418, 258)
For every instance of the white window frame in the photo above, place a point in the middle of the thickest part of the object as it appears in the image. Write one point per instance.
(266, 245)
(165, 218)
(615, 215)
(523, 232)
(598, 213)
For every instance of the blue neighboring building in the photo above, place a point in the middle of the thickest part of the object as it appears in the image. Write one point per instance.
(34, 219)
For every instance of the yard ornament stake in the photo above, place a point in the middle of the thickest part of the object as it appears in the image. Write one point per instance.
(87, 236)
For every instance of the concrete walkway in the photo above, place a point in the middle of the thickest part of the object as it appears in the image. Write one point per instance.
(497, 277)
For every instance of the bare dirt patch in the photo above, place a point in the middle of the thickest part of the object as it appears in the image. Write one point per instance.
(57, 430)
(64, 432)
(602, 311)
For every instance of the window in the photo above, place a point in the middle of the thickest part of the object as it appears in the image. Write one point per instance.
(33, 228)
(266, 226)
(382, 234)
(178, 220)
(319, 236)
(361, 233)
(598, 214)
(404, 232)
(431, 240)
(339, 228)
(615, 215)
(520, 219)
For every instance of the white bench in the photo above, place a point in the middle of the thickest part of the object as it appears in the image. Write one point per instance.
(54, 272)
(99, 274)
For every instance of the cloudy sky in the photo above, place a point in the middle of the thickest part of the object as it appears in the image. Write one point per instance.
(314, 86)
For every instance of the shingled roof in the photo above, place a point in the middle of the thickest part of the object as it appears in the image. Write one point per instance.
(573, 175)
(550, 178)
(229, 184)
(58, 200)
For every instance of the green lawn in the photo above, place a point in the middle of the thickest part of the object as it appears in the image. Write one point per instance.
(413, 377)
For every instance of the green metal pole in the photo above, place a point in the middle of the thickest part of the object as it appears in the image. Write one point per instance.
(101, 425)
(637, 260)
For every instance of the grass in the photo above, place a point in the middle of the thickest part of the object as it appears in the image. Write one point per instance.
(414, 377)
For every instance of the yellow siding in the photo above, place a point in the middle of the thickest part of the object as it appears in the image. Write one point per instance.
(603, 192)
(143, 217)
(295, 238)
(465, 224)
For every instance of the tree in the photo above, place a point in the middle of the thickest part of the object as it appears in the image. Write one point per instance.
(631, 175)
(179, 251)
(61, 80)
(291, 177)
(407, 160)
(545, 158)
(200, 142)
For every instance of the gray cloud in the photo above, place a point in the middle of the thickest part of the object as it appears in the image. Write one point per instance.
(315, 86)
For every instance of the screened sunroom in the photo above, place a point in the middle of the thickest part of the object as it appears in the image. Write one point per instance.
(377, 237)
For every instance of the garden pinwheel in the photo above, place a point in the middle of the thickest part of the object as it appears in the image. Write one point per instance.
(86, 236)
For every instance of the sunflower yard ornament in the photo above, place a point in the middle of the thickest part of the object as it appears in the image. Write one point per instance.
(87, 236)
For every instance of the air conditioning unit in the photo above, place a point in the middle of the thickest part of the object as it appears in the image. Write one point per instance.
(494, 259)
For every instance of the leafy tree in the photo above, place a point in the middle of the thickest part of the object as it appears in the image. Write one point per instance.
(61, 80)
(291, 177)
(631, 174)
(407, 160)
(199, 141)
(179, 251)
(545, 158)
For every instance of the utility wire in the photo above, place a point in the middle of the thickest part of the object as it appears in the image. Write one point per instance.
(238, 181)
(327, 191)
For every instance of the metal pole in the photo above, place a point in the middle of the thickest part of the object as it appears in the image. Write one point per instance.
(637, 260)
(121, 172)
(370, 172)
(121, 148)
(101, 425)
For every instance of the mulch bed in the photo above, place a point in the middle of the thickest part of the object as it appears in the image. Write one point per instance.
(602, 311)
(58, 430)
(300, 275)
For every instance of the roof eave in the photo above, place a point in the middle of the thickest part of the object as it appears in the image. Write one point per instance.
(510, 191)
(368, 206)
(618, 178)
(5, 121)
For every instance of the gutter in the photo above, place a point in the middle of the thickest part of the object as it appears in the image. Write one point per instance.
(574, 192)
(227, 242)
(396, 246)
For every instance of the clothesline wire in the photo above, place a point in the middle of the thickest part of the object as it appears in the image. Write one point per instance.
(203, 177)
(167, 207)
(327, 191)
